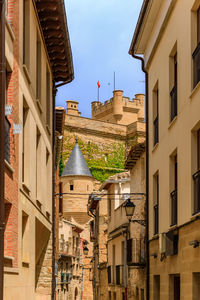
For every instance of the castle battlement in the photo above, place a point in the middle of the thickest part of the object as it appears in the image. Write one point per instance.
(119, 108)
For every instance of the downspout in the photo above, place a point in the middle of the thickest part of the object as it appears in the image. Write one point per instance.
(147, 167)
(53, 286)
(2, 121)
(125, 265)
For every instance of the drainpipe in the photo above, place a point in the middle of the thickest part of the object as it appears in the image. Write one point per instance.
(53, 286)
(147, 167)
(125, 265)
(2, 121)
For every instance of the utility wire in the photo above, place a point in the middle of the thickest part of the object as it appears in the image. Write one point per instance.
(100, 195)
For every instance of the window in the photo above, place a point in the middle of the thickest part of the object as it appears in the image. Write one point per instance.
(155, 115)
(156, 287)
(109, 207)
(48, 102)
(196, 176)
(142, 294)
(25, 238)
(24, 145)
(122, 252)
(71, 187)
(109, 295)
(38, 164)
(26, 33)
(173, 90)
(60, 197)
(196, 53)
(156, 202)
(38, 68)
(109, 274)
(173, 194)
(174, 286)
(195, 285)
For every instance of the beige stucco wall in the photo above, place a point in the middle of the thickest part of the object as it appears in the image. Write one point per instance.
(173, 26)
(177, 135)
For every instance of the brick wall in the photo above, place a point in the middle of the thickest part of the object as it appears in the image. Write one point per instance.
(11, 176)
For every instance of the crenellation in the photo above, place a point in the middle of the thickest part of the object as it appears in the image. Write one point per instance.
(119, 109)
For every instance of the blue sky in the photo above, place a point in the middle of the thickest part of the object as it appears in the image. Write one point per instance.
(100, 35)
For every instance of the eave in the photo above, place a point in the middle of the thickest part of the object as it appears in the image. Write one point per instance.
(150, 27)
(53, 22)
(134, 154)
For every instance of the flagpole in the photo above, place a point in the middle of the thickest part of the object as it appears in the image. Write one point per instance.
(114, 80)
(98, 93)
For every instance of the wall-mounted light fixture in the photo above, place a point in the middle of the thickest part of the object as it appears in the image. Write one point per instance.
(130, 209)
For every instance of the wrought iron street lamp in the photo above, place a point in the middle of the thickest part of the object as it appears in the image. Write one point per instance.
(130, 209)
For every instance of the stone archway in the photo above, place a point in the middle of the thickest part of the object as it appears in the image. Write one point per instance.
(76, 294)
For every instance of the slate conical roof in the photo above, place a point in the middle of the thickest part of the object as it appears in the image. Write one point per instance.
(76, 164)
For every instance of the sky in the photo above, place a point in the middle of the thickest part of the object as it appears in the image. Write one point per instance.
(100, 35)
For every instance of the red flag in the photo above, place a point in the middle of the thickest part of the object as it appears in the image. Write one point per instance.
(98, 83)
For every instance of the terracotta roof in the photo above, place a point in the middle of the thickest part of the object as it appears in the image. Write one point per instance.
(53, 21)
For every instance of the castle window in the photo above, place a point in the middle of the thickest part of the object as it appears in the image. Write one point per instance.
(71, 186)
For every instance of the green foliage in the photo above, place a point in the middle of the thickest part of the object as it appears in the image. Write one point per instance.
(103, 160)
(102, 174)
(61, 165)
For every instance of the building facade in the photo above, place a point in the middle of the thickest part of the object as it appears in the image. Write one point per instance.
(32, 69)
(171, 60)
(70, 273)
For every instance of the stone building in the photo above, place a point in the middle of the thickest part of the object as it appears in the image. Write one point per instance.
(136, 243)
(105, 137)
(172, 62)
(120, 274)
(32, 69)
(70, 271)
(77, 183)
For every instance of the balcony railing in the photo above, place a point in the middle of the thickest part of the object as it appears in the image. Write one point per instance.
(173, 207)
(155, 124)
(196, 179)
(7, 140)
(173, 95)
(136, 252)
(196, 65)
(119, 275)
(156, 218)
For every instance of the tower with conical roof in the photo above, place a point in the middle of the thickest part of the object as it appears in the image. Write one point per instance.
(77, 185)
